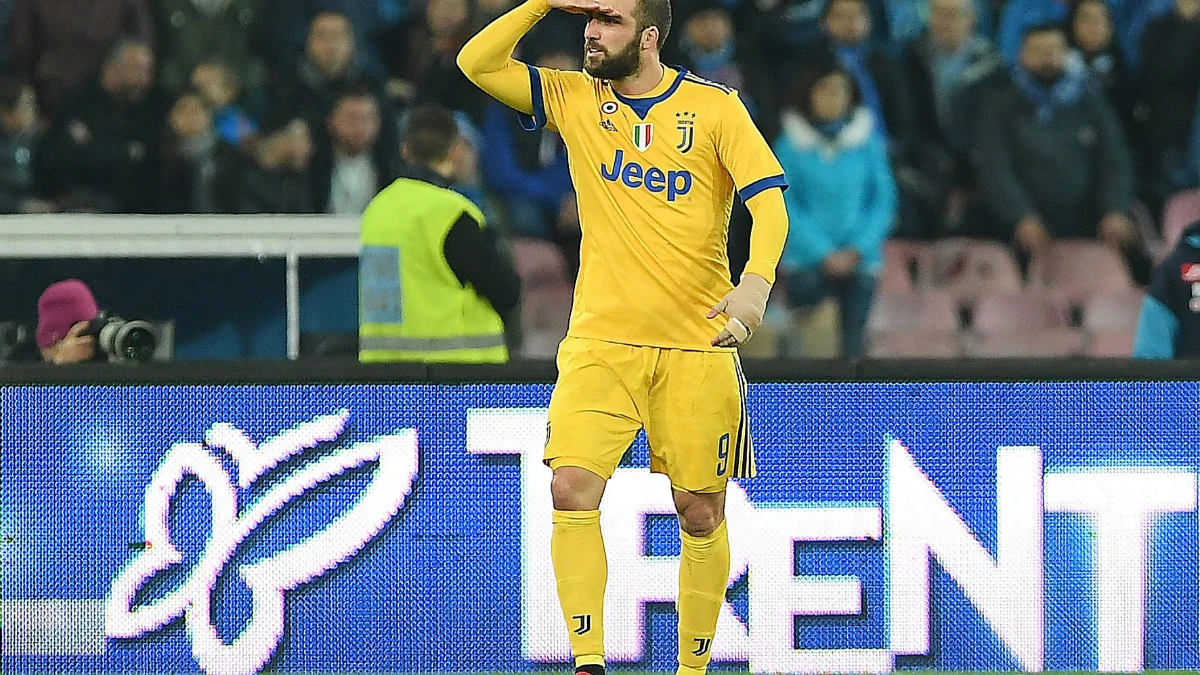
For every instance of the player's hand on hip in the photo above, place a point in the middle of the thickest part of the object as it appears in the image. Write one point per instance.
(744, 306)
(583, 7)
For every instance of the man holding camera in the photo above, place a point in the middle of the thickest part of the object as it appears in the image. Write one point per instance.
(64, 311)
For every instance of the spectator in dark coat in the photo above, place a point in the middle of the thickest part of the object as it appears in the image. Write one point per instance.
(285, 24)
(949, 69)
(355, 166)
(106, 135)
(222, 90)
(19, 148)
(1092, 32)
(196, 31)
(1050, 154)
(273, 177)
(330, 68)
(58, 45)
(421, 55)
(193, 158)
(1169, 84)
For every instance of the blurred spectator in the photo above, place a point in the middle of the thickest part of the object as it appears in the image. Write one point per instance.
(59, 44)
(949, 69)
(193, 155)
(433, 284)
(64, 310)
(1050, 155)
(104, 145)
(286, 24)
(788, 28)
(222, 88)
(529, 175)
(843, 198)
(847, 27)
(487, 11)
(1092, 32)
(710, 48)
(273, 177)
(19, 148)
(1169, 84)
(1169, 324)
(421, 59)
(192, 32)
(349, 172)
(330, 67)
(1018, 16)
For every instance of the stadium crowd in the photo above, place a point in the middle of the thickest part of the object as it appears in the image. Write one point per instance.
(979, 177)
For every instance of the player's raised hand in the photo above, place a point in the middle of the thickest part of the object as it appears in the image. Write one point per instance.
(583, 7)
(744, 306)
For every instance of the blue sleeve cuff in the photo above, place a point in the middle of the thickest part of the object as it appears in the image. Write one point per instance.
(538, 119)
(762, 184)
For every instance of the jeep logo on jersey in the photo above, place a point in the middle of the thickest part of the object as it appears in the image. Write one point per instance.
(642, 135)
(654, 179)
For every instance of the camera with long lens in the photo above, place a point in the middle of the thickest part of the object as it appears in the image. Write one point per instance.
(123, 341)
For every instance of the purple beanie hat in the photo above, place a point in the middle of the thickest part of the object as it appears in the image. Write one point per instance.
(61, 306)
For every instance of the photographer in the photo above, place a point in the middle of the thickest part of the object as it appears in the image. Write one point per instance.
(65, 310)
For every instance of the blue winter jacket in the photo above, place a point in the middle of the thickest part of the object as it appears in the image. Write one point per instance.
(841, 191)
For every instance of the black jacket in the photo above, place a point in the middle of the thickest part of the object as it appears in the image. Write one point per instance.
(1169, 82)
(118, 158)
(1070, 171)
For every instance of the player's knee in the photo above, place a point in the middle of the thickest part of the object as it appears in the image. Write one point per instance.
(576, 489)
(700, 515)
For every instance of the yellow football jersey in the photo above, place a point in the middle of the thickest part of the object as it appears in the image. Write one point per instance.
(655, 178)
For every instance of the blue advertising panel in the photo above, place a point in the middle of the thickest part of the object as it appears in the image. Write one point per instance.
(405, 529)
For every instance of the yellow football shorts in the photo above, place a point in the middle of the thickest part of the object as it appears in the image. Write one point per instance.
(692, 405)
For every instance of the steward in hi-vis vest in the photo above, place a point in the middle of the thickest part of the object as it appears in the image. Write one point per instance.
(433, 284)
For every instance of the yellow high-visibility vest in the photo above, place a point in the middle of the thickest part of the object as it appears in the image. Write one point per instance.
(412, 307)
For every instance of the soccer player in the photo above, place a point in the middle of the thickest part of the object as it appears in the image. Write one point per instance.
(655, 154)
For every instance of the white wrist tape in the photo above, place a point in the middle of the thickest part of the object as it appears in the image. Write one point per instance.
(738, 330)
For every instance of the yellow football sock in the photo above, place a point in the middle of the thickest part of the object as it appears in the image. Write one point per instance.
(581, 568)
(703, 578)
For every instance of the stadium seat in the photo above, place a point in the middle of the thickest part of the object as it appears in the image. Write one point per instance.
(1080, 268)
(968, 268)
(1115, 310)
(1181, 210)
(1110, 343)
(538, 262)
(917, 344)
(1046, 342)
(1017, 312)
(901, 261)
(928, 310)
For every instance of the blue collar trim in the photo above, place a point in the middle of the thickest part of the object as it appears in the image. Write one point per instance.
(642, 106)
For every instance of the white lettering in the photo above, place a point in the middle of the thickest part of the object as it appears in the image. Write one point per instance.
(1122, 506)
(1007, 592)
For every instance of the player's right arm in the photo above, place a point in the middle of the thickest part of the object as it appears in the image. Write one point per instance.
(487, 59)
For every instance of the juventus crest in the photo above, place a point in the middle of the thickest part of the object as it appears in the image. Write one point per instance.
(685, 122)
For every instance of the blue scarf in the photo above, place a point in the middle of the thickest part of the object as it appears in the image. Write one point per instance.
(709, 62)
(854, 58)
(1049, 99)
(831, 130)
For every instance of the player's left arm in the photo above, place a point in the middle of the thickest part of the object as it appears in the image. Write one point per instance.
(760, 182)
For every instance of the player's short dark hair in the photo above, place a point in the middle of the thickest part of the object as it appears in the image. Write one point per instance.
(1043, 27)
(656, 13)
(11, 90)
(430, 134)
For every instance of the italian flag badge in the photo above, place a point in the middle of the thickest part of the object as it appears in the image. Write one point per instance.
(642, 135)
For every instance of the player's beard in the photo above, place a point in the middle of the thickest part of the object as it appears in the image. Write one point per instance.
(619, 65)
